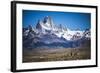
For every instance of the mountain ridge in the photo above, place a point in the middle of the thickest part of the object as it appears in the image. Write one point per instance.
(47, 33)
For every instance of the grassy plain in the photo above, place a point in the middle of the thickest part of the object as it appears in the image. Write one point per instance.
(44, 55)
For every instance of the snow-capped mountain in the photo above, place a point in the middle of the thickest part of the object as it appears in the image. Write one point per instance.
(47, 33)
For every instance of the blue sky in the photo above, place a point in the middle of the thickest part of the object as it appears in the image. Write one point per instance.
(72, 20)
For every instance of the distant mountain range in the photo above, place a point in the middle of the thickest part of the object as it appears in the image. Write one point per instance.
(46, 34)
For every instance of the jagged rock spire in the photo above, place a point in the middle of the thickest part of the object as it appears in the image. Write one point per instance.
(47, 20)
(30, 28)
(38, 26)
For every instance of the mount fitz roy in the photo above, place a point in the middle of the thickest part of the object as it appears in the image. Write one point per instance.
(46, 34)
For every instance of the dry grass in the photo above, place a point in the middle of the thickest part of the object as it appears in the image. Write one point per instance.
(42, 55)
